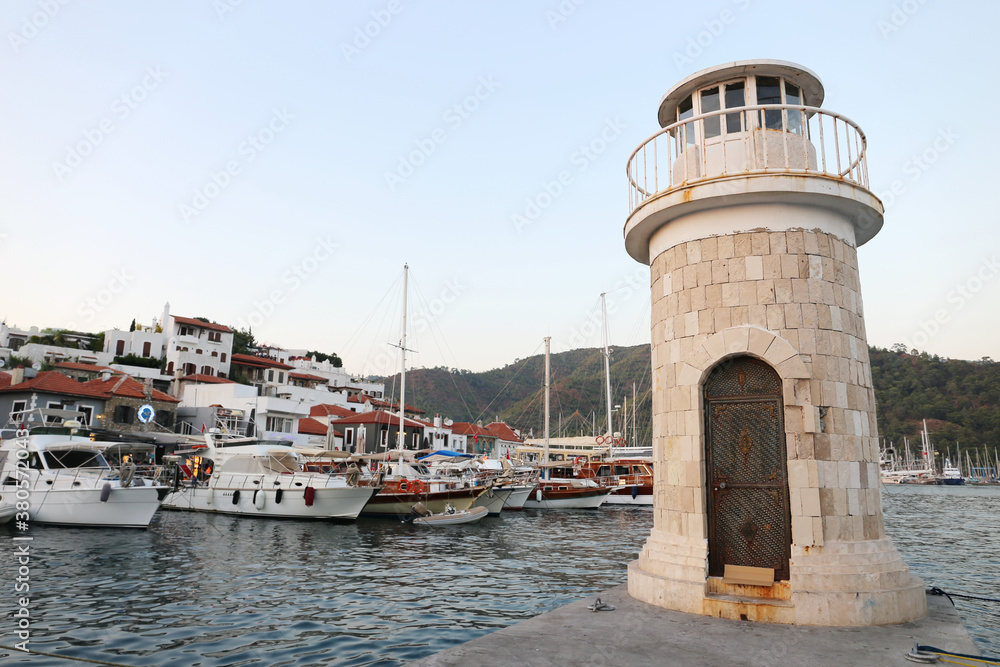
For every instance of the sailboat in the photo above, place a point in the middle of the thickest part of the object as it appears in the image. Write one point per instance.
(557, 487)
(630, 476)
(408, 483)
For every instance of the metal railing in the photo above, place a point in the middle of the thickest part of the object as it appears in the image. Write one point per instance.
(761, 139)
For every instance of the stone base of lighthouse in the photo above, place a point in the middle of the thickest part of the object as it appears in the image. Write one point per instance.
(789, 300)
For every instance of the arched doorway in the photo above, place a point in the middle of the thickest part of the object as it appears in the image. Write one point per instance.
(748, 515)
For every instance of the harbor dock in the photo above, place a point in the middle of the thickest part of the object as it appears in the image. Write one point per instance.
(636, 634)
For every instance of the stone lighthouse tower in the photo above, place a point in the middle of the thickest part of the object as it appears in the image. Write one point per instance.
(749, 206)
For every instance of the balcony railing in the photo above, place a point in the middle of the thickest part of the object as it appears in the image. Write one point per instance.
(762, 139)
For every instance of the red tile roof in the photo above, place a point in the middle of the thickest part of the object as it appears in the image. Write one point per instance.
(465, 428)
(307, 376)
(205, 379)
(310, 426)
(379, 403)
(504, 432)
(75, 366)
(376, 417)
(204, 325)
(54, 382)
(258, 362)
(361, 398)
(129, 387)
(327, 410)
(4, 379)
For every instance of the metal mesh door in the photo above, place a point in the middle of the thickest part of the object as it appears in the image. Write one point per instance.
(749, 521)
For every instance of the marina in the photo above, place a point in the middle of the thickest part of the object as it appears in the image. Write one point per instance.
(216, 590)
(313, 459)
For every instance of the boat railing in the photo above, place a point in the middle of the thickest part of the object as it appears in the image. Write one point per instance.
(75, 477)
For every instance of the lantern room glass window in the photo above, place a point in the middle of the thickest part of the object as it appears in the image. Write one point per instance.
(710, 102)
(769, 92)
(735, 99)
(735, 95)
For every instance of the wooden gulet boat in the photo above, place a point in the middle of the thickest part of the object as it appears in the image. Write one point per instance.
(408, 483)
(560, 491)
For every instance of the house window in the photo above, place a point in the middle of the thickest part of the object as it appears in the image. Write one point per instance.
(53, 405)
(348, 436)
(198, 351)
(214, 353)
(223, 357)
(170, 368)
(164, 418)
(88, 413)
(279, 424)
(124, 414)
(146, 348)
(281, 377)
(120, 348)
(18, 406)
(206, 370)
(270, 376)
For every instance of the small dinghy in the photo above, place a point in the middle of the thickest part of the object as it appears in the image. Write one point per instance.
(450, 517)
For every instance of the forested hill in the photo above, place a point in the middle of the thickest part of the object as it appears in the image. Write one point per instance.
(516, 393)
(959, 399)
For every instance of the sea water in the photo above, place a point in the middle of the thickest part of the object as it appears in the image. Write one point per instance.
(200, 589)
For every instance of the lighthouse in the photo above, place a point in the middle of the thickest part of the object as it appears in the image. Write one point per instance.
(749, 206)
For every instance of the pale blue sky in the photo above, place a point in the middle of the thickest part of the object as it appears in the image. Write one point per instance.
(331, 122)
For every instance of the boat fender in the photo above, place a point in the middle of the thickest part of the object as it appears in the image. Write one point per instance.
(538, 495)
(278, 494)
(309, 494)
(635, 492)
(209, 492)
(258, 499)
(105, 492)
(236, 497)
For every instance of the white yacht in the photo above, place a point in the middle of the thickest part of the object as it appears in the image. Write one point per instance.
(68, 479)
(266, 479)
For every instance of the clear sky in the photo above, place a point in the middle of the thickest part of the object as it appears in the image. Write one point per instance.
(275, 164)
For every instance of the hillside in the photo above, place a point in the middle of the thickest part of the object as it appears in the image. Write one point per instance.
(515, 393)
(959, 399)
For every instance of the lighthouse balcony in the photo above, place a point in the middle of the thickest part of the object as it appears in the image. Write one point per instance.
(757, 140)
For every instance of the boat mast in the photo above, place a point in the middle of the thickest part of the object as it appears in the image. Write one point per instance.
(402, 374)
(634, 441)
(607, 366)
(545, 455)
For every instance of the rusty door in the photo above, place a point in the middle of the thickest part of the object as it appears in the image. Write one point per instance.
(748, 516)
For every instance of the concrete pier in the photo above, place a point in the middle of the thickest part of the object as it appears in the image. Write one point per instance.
(637, 634)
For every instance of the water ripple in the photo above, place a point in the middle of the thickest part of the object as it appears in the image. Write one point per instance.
(198, 590)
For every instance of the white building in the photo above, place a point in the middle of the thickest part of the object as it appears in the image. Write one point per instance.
(194, 347)
(271, 417)
(143, 342)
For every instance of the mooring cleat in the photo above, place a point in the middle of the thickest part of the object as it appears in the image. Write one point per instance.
(600, 606)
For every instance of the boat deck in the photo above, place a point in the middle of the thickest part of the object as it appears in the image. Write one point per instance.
(637, 634)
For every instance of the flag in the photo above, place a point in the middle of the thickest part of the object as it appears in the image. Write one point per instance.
(203, 427)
